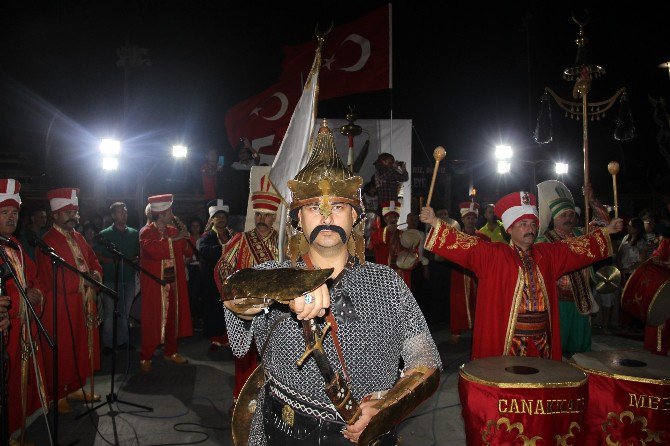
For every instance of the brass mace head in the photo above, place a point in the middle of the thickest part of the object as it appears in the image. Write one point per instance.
(613, 168)
(439, 153)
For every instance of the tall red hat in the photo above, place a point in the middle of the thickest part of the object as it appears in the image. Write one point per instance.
(390, 206)
(264, 200)
(9, 193)
(63, 199)
(516, 206)
(469, 207)
(160, 203)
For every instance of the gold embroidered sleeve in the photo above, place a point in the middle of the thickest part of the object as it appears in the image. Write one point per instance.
(579, 245)
(444, 236)
(583, 245)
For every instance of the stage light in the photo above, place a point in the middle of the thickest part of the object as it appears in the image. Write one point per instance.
(504, 167)
(110, 147)
(561, 168)
(503, 152)
(179, 151)
(110, 163)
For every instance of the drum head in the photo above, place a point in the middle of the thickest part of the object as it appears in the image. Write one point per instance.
(634, 365)
(407, 259)
(521, 371)
(410, 238)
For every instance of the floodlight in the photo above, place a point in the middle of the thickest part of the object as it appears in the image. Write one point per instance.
(110, 147)
(561, 168)
(179, 151)
(109, 163)
(503, 152)
(504, 167)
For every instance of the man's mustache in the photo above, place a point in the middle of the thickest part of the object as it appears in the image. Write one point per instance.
(339, 230)
(532, 234)
(72, 220)
(258, 225)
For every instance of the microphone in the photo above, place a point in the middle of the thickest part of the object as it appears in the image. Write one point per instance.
(8, 242)
(106, 243)
(39, 243)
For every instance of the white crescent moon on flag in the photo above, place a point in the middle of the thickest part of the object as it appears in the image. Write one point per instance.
(365, 51)
(282, 110)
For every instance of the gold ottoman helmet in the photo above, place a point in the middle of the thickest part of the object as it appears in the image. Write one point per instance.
(325, 180)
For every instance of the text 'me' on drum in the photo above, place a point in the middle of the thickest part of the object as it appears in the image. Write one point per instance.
(647, 294)
(629, 398)
(520, 400)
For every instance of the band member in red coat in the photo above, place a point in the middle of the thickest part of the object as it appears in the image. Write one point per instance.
(463, 292)
(385, 242)
(78, 320)
(166, 315)
(246, 250)
(25, 387)
(517, 303)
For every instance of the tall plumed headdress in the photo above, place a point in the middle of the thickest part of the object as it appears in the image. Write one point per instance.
(325, 180)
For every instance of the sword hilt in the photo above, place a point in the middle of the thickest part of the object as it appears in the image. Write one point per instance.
(317, 344)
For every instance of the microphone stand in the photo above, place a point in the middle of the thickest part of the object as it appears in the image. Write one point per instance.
(112, 396)
(57, 261)
(6, 269)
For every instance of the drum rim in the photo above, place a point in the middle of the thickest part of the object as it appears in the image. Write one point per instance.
(653, 299)
(639, 379)
(567, 384)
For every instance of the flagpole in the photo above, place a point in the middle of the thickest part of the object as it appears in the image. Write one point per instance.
(282, 231)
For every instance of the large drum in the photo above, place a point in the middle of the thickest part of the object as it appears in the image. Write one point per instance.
(647, 293)
(514, 400)
(629, 398)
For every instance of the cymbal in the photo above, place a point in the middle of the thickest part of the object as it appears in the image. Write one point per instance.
(254, 287)
(608, 279)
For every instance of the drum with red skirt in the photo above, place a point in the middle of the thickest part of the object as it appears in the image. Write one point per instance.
(629, 398)
(647, 293)
(521, 400)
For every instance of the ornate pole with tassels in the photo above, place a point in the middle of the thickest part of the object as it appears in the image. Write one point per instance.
(583, 74)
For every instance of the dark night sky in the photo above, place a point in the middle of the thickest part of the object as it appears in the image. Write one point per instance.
(460, 72)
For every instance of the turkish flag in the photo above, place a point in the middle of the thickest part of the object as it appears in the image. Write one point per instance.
(263, 118)
(356, 57)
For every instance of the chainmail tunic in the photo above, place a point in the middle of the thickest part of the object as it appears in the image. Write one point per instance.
(389, 326)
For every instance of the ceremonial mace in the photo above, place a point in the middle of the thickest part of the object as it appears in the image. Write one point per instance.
(613, 169)
(439, 153)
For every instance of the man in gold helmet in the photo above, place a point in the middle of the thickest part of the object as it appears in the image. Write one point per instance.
(365, 304)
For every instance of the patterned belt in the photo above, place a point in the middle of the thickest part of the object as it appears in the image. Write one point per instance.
(531, 324)
(302, 404)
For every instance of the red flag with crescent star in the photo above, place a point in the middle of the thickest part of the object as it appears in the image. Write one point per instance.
(264, 118)
(356, 58)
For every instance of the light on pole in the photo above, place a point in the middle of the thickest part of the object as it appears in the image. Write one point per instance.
(110, 163)
(561, 168)
(179, 151)
(110, 150)
(504, 167)
(503, 152)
